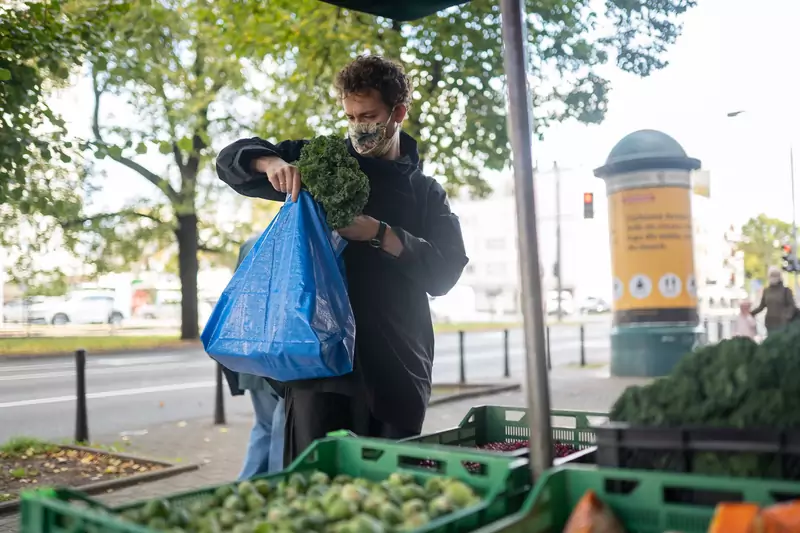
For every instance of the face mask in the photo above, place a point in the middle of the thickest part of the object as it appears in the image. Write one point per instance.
(371, 139)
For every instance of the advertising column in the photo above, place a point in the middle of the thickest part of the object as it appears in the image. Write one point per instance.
(649, 187)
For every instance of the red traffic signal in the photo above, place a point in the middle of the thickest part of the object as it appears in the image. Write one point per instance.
(588, 205)
(787, 248)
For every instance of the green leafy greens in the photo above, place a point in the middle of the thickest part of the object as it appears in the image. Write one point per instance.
(334, 179)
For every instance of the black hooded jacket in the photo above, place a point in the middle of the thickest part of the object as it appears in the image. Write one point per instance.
(394, 333)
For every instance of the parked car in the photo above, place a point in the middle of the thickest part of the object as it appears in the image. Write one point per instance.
(18, 311)
(77, 309)
(170, 310)
(594, 306)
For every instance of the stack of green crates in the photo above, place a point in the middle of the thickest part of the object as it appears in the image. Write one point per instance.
(492, 423)
(644, 501)
(501, 482)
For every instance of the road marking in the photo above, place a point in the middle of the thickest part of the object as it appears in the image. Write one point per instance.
(105, 361)
(98, 372)
(111, 394)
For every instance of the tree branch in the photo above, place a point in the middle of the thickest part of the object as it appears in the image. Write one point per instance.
(206, 248)
(156, 180)
(103, 216)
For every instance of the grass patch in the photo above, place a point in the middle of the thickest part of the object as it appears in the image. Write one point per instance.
(453, 327)
(66, 345)
(19, 446)
(27, 463)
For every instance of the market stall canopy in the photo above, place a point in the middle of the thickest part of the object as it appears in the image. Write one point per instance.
(401, 10)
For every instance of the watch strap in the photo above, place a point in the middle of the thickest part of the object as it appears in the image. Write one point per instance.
(377, 241)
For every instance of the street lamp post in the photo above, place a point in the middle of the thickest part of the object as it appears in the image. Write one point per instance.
(734, 114)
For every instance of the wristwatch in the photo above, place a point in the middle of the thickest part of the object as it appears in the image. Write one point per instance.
(377, 241)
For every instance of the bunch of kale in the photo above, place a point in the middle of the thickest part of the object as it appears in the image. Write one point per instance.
(334, 179)
(735, 383)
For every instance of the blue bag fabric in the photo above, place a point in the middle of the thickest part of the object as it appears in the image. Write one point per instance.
(285, 314)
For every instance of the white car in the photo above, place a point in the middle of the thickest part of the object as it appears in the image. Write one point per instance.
(171, 311)
(17, 311)
(77, 309)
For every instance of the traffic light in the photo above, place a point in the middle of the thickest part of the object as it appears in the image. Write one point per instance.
(789, 259)
(588, 205)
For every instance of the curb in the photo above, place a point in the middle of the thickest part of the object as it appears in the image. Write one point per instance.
(189, 346)
(478, 392)
(169, 470)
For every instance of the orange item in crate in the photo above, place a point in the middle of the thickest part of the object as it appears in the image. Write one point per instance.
(591, 515)
(781, 518)
(735, 518)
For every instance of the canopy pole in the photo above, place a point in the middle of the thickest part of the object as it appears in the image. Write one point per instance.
(520, 132)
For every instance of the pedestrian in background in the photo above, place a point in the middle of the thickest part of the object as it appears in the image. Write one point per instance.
(745, 325)
(265, 449)
(778, 300)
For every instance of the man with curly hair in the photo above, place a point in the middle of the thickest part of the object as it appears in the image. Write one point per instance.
(407, 245)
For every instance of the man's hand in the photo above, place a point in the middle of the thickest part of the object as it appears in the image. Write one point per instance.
(366, 228)
(282, 176)
(363, 228)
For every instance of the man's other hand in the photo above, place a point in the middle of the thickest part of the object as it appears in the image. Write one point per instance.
(363, 228)
(282, 176)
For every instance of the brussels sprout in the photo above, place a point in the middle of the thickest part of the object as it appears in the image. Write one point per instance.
(440, 506)
(411, 492)
(412, 507)
(340, 510)
(390, 514)
(234, 503)
(254, 501)
(459, 493)
(245, 487)
(319, 478)
(263, 487)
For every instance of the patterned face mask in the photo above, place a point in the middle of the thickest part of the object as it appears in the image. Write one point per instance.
(370, 139)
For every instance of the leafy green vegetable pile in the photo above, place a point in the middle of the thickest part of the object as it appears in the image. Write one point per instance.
(735, 383)
(334, 179)
(312, 503)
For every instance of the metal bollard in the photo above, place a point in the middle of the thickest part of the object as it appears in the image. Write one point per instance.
(462, 369)
(506, 356)
(547, 339)
(219, 403)
(81, 416)
(583, 346)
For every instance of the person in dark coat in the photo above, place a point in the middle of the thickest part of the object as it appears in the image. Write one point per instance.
(405, 246)
(779, 302)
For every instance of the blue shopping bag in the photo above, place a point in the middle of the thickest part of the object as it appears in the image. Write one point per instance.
(285, 314)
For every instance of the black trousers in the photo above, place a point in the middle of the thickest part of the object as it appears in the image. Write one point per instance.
(311, 415)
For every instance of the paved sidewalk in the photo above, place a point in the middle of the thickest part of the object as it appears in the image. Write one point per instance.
(220, 450)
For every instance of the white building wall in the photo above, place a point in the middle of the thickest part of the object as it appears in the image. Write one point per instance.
(490, 234)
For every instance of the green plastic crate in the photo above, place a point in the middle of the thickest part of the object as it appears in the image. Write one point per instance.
(492, 423)
(644, 501)
(502, 482)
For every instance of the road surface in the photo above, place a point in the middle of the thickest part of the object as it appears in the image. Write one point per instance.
(127, 393)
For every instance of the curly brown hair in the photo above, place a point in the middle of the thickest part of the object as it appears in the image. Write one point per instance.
(375, 72)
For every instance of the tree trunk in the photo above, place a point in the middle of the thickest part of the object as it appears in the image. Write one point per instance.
(187, 268)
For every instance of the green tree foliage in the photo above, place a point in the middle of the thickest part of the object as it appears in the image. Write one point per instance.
(193, 71)
(455, 62)
(762, 238)
(41, 44)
